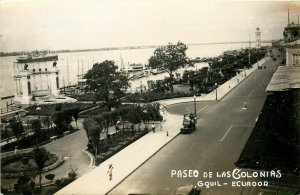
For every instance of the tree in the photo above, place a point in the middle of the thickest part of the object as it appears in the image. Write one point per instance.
(93, 131)
(134, 115)
(57, 118)
(40, 156)
(104, 80)
(24, 185)
(46, 121)
(17, 129)
(36, 126)
(75, 114)
(62, 120)
(170, 58)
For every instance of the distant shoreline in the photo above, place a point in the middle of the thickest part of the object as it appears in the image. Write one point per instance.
(17, 53)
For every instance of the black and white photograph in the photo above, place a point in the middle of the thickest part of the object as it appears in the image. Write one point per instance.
(150, 97)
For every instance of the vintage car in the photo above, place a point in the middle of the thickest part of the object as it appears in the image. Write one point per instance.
(188, 190)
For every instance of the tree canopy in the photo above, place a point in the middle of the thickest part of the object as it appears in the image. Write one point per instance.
(17, 129)
(170, 58)
(40, 156)
(104, 80)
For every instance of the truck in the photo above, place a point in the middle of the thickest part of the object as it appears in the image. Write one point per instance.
(189, 123)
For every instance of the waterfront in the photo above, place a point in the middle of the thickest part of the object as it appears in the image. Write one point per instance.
(77, 63)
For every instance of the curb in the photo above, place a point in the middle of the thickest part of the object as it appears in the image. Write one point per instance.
(92, 157)
(224, 94)
(244, 79)
(142, 163)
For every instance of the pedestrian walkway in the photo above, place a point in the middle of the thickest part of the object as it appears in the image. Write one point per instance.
(130, 158)
(222, 90)
(126, 161)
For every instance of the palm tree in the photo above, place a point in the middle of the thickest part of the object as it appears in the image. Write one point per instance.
(40, 156)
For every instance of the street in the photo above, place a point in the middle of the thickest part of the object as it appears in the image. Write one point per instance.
(222, 130)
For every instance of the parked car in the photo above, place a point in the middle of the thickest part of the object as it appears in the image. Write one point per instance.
(188, 190)
(259, 67)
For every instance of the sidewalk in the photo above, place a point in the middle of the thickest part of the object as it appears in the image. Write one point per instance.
(133, 156)
(126, 161)
(222, 90)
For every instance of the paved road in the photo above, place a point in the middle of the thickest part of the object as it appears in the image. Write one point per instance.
(222, 131)
(70, 148)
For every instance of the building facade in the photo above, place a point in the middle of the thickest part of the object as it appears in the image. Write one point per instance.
(293, 53)
(35, 80)
(291, 33)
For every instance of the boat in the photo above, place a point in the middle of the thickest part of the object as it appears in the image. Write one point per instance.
(158, 71)
(136, 75)
(37, 57)
(135, 67)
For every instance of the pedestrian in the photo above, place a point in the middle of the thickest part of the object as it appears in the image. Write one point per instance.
(16, 149)
(161, 125)
(109, 172)
(153, 127)
(245, 104)
(167, 133)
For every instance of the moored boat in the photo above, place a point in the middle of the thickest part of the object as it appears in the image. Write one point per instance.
(37, 57)
(135, 67)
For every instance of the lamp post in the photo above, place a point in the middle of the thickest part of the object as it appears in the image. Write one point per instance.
(195, 105)
(146, 116)
(216, 84)
(38, 110)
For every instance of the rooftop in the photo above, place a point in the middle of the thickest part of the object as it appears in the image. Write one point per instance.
(285, 78)
(293, 44)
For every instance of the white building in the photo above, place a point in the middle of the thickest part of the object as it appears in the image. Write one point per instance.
(35, 80)
(258, 38)
(293, 53)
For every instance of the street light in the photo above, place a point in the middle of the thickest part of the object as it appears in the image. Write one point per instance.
(195, 105)
(216, 84)
(38, 110)
(146, 112)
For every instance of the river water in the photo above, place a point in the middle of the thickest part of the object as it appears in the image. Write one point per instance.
(76, 63)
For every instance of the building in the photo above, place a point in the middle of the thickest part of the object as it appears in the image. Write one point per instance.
(258, 38)
(293, 53)
(291, 32)
(35, 79)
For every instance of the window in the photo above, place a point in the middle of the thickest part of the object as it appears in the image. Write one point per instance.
(296, 59)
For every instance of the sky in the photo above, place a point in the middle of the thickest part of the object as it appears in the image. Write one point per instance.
(87, 24)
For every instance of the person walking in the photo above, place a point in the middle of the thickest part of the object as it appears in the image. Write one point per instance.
(245, 104)
(161, 126)
(109, 172)
(153, 127)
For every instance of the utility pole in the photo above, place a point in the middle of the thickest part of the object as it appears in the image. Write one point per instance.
(249, 52)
